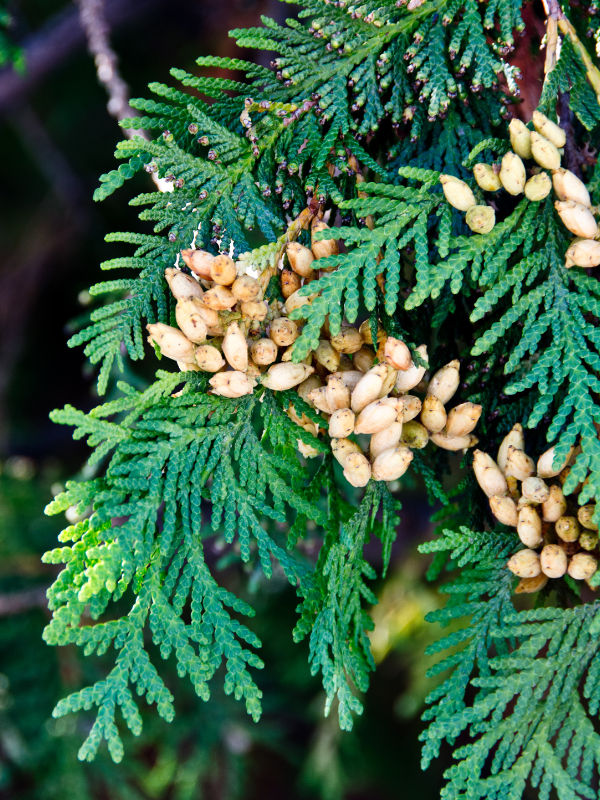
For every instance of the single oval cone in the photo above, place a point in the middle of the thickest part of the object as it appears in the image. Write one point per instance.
(577, 218)
(529, 527)
(488, 475)
(190, 320)
(219, 298)
(462, 419)
(342, 448)
(290, 282)
(255, 309)
(263, 352)
(481, 219)
(232, 384)
(199, 261)
(519, 464)
(327, 355)
(583, 253)
(414, 435)
(411, 407)
(397, 354)
(545, 468)
(375, 417)
(486, 178)
(392, 464)
(569, 187)
(385, 439)
(305, 388)
(555, 506)
(544, 152)
(535, 490)
(516, 439)
(512, 174)
(525, 564)
(222, 270)
(337, 393)
(457, 193)
(246, 289)
(365, 332)
(172, 342)
(433, 414)
(363, 359)
(454, 443)
(323, 248)
(553, 561)
(357, 469)
(341, 423)
(567, 529)
(585, 516)
(538, 187)
(208, 358)
(348, 340)
(549, 129)
(235, 347)
(182, 286)
(582, 566)
(445, 382)
(284, 376)
(505, 510)
(368, 388)
(520, 138)
(283, 331)
(409, 378)
(588, 539)
(531, 585)
(300, 259)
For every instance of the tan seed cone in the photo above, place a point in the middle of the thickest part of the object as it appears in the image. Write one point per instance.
(190, 320)
(567, 529)
(488, 475)
(583, 253)
(531, 585)
(283, 331)
(582, 566)
(299, 420)
(182, 286)
(555, 506)
(307, 450)
(408, 379)
(577, 218)
(504, 509)
(549, 129)
(516, 439)
(172, 342)
(519, 464)
(350, 378)
(454, 443)
(300, 259)
(232, 384)
(246, 289)
(290, 282)
(306, 387)
(433, 414)
(529, 526)
(327, 355)
(289, 352)
(553, 561)
(263, 352)
(588, 539)
(520, 138)
(255, 309)
(545, 468)
(445, 382)
(283, 376)
(585, 514)
(222, 270)
(512, 174)
(363, 359)
(357, 469)
(295, 301)
(341, 449)
(411, 407)
(219, 298)
(481, 219)
(199, 261)
(235, 348)
(397, 354)
(388, 383)
(368, 388)
(322, 249)
(535, 490)
(457, 193)
(462, 419)
(385, 439)
(348, 340)
(538, 187)
(525, 564)
(569, 187)
(187, 367)
(365, 332)
(392, 464)
(208, 358)
(337, 393)
(415, 435)
(544, 152)
(341, 423)
(375, 417)
(486, 178)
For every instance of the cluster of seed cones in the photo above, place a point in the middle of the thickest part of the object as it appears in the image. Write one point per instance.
(357, 386)
(543, 146)
(560, 536)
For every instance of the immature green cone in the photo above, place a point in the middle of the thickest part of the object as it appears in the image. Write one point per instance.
(337, 393)
(363, 359)
(588, 539)
(520, 138)
(445, 382)
(357, 469)
(457, 193)
(415, 435)
(516, 439)
(538, 187)
(535, 490)
(375, 417)
(583, 253)
(582, 566)
(481, 219)
(182, 286)
(342, 448)
(284, 376)
(190, 320)
(454, 443)
(385, 439)
(577, 218)
(544, 152)
(519, 464)
(525, 564)
(531, 585)
(411, 407)
(545, 468)
(529, 526)
(323, 248)
(486, 178)
(585, 516)
(232, 384)
(368, 388)
(549, 129)
(488, 474)
(555, 506)
(409, 378)
(569, 187)
(263, 352)
(397, 354)
(172, 342)
(567, 529)
(505, 510)
(348, 340)
(553, 561)
(300, 259)
(512, 173)
(341, 423)
(327, 355)
(462, 419)
(392, 464)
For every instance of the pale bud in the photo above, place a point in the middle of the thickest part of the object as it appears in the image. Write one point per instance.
(488, 474)
(411, 377)
(284, 376)
(341, 423)
(569, 187)
(454, 443)
(544, 152)
(368, 388)
(263, 352)
(462, 419)
(255, 309)
(538, 187)
(457, 193)
(535, 489)
(531, 585)
(290, 282)
(232, 384)
(555, 506)
(585, 517)
(375, 417)
(411, 407)
(365, 332)
(567, 529)
(172, 342)
(545, 468)
(300, 259)
(433, 414)
(481, 219)
(516, 439)
(208, 358)
(327, 355)
(445, 382)
(182, 286)
(338, 394)
(322, 249)
(246, 289)
(342, 448)
(553, 561)
(348, 340)
(363, 359)
(577, 218)
(235, 348)
(350, 378)
(222, 270)
(199, 261)
(549, 129)
(504, 509)
(525, 564)
(519, 464)
(397, 354)
(512, 174)
(588, 539)
(486, 178)
(582, 566)
(529, 526)
(190, 320)
(357, 469)
(414, 435)
(583, 253)
(295, 301)
(392, 464)
(520, 138)
(283, 331)
(219, 298)
(385, 439)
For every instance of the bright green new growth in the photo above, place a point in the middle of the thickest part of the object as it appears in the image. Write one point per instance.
(408, 92)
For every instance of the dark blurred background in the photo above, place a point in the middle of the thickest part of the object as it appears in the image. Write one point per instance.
(56, 138)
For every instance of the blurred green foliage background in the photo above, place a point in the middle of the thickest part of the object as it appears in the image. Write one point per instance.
(56, 138)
